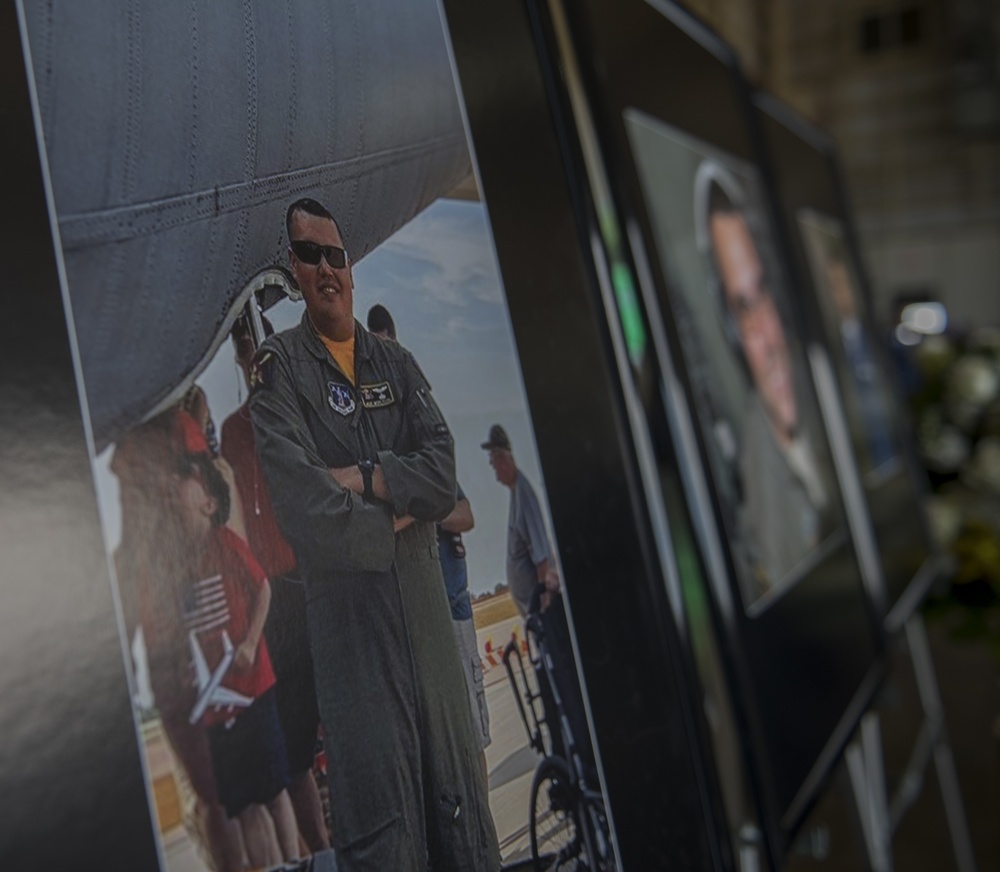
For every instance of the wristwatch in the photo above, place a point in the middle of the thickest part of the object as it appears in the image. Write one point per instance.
(367, 470)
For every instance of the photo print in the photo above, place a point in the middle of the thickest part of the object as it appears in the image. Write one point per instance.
(849, 335)
(768, 456)
(320, 494)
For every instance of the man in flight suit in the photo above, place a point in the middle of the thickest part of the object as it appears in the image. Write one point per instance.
(360, 463)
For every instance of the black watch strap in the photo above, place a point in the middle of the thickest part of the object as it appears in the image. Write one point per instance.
(367, 469)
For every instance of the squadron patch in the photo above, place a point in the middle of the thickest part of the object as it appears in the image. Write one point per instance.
(340, 399)
(376, 396)
(261, 371)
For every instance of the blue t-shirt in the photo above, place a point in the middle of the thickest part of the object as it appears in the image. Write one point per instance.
(456, 578)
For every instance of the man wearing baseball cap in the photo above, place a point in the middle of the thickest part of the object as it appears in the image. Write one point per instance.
(529, 555)
(534, 585)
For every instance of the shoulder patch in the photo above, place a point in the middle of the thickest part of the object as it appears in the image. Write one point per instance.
(340, 398)
(262, 371)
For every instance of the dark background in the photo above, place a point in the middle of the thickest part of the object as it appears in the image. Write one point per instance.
(73, 795)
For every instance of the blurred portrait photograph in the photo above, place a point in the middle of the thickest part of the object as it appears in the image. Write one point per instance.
(768, 456)
(852, 343)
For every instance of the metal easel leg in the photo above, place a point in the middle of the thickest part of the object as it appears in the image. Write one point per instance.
(866, 772)
(871, 742)
(944, 762)
(867, 775)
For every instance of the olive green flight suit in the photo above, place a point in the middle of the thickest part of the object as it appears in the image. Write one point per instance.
(405, 788)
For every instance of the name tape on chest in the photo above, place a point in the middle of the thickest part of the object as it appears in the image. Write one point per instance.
(376, 396)
(340, 398)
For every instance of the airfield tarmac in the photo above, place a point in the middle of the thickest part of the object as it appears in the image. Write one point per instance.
(510, 760)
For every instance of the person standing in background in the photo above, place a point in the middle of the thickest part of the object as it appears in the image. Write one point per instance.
(534, 586)
(224, 604)
(151, 564)
(285, 630)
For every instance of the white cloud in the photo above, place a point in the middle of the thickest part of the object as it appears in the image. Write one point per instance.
(446, 255)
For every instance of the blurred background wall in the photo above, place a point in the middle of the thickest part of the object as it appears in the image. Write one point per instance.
(910, 91)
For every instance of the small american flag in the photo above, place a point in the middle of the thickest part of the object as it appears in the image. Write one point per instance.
(205, 606)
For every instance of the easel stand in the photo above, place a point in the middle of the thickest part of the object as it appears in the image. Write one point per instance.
(880, 816)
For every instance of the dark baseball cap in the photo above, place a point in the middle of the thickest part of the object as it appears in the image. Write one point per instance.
(497, 439)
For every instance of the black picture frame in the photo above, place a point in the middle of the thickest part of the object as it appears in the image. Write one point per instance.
(621, 573)
(105, 814)
(805, 670)
(72, 773)
(650, 732)
(810, 184)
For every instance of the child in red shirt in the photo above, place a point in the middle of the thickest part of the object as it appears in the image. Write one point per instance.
(224, 610)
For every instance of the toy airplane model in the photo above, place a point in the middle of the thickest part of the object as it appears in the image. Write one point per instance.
(210, 689)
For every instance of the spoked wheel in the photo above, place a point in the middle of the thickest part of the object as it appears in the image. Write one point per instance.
(557, 840)
(598, 836)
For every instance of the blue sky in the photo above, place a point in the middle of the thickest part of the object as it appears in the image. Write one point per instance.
(437, 276)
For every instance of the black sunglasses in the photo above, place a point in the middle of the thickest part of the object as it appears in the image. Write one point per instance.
(311, 252)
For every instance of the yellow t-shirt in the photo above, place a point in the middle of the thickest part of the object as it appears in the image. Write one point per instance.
(343, 353)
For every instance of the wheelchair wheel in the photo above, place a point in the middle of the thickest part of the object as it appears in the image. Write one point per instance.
(557, 840)
(598, 849)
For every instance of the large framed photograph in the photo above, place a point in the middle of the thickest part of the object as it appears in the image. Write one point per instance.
(654, 734)
(346, 625)
(770, 461)
(678, 212)
(866, 393)
(839, 304)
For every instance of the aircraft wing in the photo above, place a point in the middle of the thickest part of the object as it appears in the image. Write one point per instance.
(223, 697)
(201, 674)
(176, 136)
